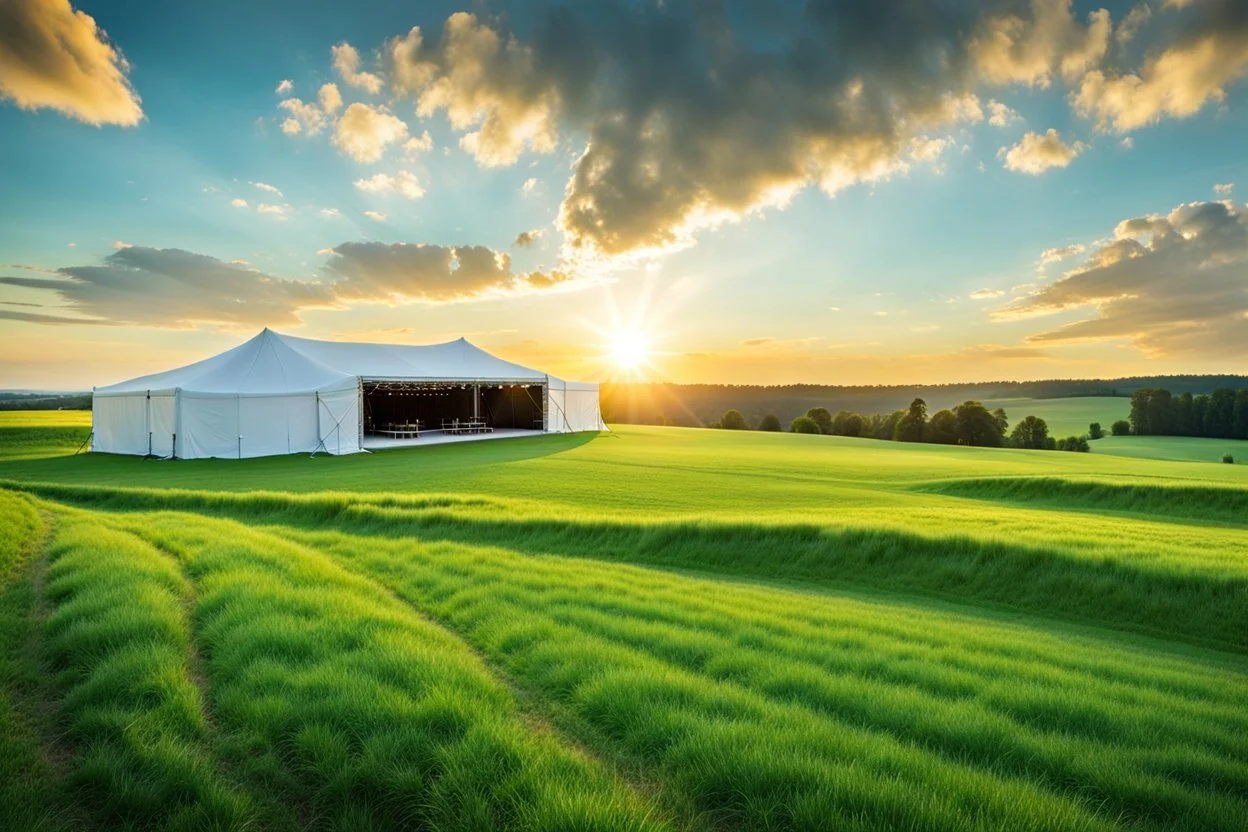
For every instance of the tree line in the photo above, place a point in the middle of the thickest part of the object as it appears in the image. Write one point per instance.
(970, 423)
(1222, 414)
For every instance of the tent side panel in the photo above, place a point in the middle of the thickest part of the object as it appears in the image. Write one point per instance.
(556, 418)
(340, 421)
(209, 427)
(119, 424)
(161, 421)
(583, 410)
(263, 425)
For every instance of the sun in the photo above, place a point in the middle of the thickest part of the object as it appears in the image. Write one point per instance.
(629, 350)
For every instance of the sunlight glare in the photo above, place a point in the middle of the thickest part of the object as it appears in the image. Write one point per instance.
(630, 350)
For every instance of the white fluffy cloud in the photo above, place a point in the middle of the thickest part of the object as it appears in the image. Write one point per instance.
(54, 57)
(364, 132)
(264, 186)
(418, 144)
(1224, 188)
(986, 294)
(304, 117)
(1177, 83)
(238, 202)
(485, 82)
(330, 99)
(284, 87)
(376, 216)
(1036, 153)
(1030, 47)
(1054, 255)
(1001, 115)
(346, 61)
(1170, 285)
(403, 182)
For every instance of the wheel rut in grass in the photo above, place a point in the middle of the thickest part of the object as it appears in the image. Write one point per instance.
(540, 716)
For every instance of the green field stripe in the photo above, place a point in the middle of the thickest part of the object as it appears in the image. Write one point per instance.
(119, 642)
(33, 763)
(1190, 503)
(1132, 575)
(364, 713)
(1183, 761)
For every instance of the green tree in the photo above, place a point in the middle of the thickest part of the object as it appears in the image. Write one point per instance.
(1032, 432)
(1220, 417)
(771, 422)
(1241, 414)
(910, 427)
(733, 420)
(942, 428)
(853, 425)
(886, 425)
(822, 417)
(1120, 428)
(1078, 444)
(838, 422)
(976, 426)
(1095, 431)
(805, 424)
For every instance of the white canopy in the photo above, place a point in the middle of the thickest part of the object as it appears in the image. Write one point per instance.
(277, 394)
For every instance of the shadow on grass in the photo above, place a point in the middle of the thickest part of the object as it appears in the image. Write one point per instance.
(1182, 502)
(1138, 596)
(49, 460)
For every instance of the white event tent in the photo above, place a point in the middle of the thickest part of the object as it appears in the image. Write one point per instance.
(277, 394)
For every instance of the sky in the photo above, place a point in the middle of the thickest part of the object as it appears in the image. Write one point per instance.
(736, 192)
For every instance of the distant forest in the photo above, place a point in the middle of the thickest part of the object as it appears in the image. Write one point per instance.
(19, 400)
(698, 405)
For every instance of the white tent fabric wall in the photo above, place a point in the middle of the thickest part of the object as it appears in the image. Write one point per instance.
(277, 394)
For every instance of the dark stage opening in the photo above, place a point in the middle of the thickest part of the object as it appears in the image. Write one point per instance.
(405, 409)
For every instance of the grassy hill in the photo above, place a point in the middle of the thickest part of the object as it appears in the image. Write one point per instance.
(657, 628)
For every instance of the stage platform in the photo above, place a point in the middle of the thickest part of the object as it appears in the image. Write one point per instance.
(437, 437)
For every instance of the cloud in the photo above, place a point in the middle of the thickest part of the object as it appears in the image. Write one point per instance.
(174, 288)
(529, 185)
(1170, 285)
(279, 211)
(118, 245)
(486, 82)
(364, 132)
(1126, 143)
(1130, 25)
(402, 182)
(1209, 54)
(238, 202)
(1035, 153)
(981, 351)
(377, 216)
(1224, 189)
(526, 239)
(330, 212)
(307, 118)
(396, 272)
(284, 87)
(330, 99)
(1053, 255)
(57, 58)
(986, 294)
(264, 186)
(346, 61)
(418, 144)
(1001, 115)
(925, 149)
(1030, 48)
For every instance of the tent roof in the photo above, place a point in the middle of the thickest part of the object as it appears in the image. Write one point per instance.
(276, 364)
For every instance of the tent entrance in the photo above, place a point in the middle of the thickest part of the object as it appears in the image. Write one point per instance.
(410, 410)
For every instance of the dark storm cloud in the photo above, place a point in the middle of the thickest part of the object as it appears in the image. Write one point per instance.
(175, 288)
(412, 271)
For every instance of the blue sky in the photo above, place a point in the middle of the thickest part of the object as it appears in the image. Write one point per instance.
(868, 281)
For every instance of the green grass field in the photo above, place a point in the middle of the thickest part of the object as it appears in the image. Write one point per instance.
(657, 628)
